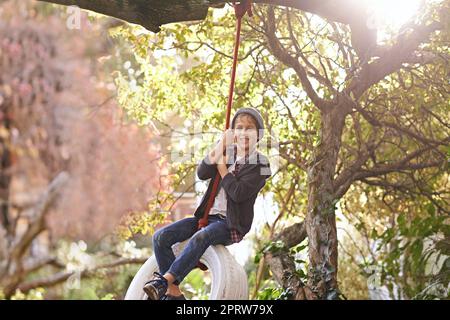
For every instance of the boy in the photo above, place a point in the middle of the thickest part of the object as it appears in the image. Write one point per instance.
(231, 215)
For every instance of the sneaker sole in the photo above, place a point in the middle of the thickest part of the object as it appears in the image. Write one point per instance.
(151, 293)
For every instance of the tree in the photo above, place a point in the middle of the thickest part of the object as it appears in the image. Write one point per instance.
(368, 113)
(375, 117)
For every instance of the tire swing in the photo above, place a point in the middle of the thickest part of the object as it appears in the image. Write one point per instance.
(229, 279)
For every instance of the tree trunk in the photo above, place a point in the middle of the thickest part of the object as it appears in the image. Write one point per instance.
(5, 167)
(6, 163)
(282, 264)
(320, 219)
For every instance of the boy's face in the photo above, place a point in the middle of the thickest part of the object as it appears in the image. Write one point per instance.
(245, 132)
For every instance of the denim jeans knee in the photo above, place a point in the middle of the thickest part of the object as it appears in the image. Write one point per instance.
(157, 237)
(201, 237)
(164, 238)
(216, 232)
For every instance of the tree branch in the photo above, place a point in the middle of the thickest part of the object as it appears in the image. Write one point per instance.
(281, 54)
(40, 263)
(37, 225)
(391, 59)
(151, 14)
(351, 175)
(60, 277)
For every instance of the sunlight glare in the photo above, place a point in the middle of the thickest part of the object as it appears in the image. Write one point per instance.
(389, 15)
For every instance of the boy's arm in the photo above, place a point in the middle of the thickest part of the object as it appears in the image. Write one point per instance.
(206, 169)
(246, 186)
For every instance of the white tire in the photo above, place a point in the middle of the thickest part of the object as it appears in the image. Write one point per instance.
(229, 280)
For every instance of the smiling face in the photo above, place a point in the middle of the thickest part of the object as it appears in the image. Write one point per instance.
(245, 133)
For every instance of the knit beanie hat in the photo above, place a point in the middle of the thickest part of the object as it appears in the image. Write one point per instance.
(256, 115)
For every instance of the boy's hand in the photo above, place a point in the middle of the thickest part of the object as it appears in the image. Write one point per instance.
(221, 166)
(228, 137)
(223, 159)
(226, 140)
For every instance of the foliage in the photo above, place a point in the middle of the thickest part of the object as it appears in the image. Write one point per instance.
(144, 222)
(353, 282)
(105, 284)
(35, 294)
(108, 286)
(196, 285)
(418, 252)
(407, 249)
(270, 293)
(270, 289)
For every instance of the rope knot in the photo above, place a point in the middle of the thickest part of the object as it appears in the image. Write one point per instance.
(242, 8)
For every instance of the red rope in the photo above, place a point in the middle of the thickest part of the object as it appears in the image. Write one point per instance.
(240, 10)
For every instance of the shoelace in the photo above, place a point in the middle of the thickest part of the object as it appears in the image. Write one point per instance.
(159, 276)
(162, 283)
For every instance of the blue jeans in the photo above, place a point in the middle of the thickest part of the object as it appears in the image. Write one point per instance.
(216, 232)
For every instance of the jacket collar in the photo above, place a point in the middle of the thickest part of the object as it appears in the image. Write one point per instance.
(254, 157)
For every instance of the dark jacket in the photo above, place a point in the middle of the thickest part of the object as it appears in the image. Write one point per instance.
(241, 190)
